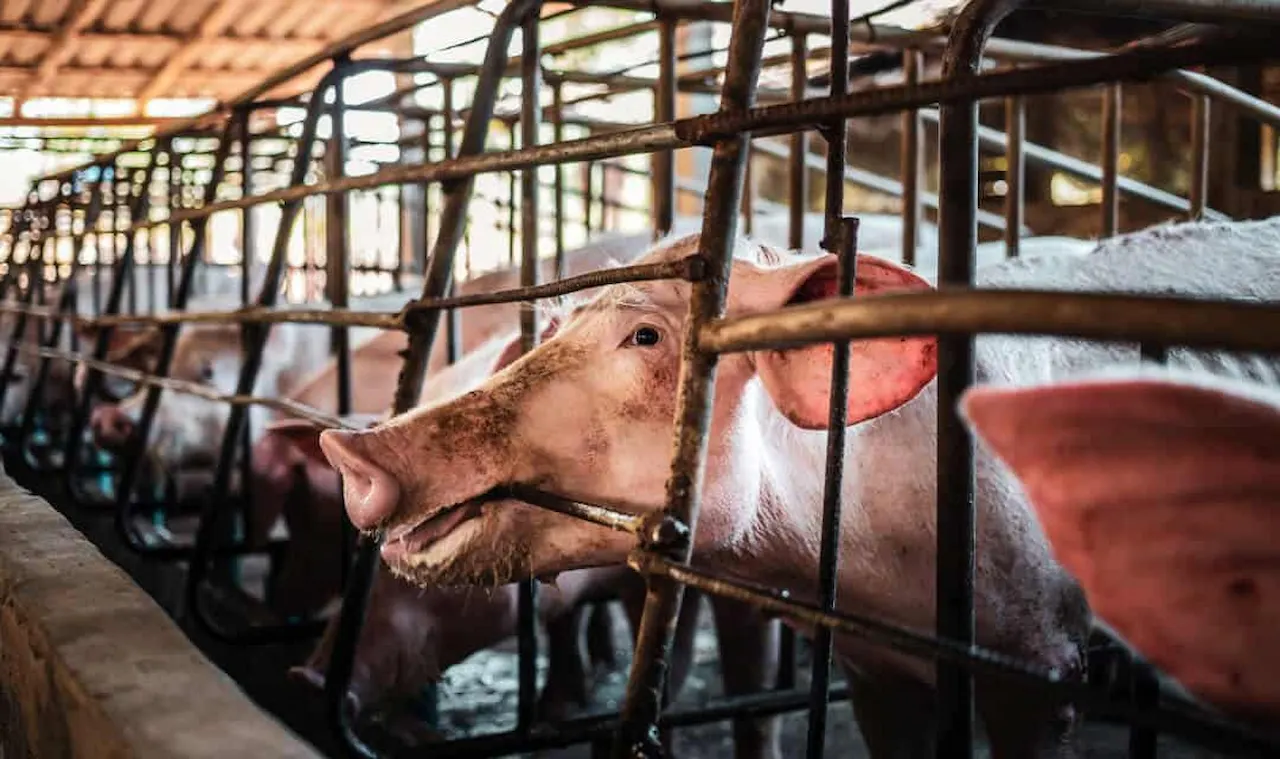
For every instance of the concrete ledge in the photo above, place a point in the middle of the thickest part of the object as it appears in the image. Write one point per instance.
(90, 666)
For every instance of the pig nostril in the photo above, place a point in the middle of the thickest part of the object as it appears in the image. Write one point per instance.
(371, 494)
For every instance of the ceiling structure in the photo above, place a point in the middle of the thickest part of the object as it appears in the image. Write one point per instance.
(151, 49)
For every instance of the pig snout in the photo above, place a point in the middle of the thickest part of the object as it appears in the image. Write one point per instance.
(111, 426)
(370, 492)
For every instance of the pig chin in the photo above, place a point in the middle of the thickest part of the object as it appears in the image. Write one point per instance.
(484, 550)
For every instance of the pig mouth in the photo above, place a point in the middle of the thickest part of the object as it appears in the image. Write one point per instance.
(417, 537)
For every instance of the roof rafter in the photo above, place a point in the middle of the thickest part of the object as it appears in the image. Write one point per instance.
(79, 14)
(192, 44)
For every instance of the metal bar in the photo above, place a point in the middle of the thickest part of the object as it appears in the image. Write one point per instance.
(838, 237)
(957, 239)
(122, 270)
(1227, 325)
(912, 162)
(798, 165)
(452, 318)
(642, 702)
(174, 227)
(1135, 65)
(1111, 124)
(338, 244)
(664, 109)
(248, 252)
(131, 456)
(211, 510)
(557, 104)
(1200, 113)
(530, 123)
(1015, 175)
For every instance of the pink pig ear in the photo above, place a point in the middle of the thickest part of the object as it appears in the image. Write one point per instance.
(1163, 499)
(512, 352)
(884, 373)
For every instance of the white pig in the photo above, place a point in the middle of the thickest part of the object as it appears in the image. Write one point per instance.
(590, 412)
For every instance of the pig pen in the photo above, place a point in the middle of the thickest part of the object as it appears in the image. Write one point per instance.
(492, 690)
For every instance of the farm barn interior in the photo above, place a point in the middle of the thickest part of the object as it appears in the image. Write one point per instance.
(639, 378)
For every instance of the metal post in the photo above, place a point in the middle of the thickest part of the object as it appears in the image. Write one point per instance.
(557, 109)
(453, 317)
(1015, 126)
(175, 228)
(337, 250)
(1200, 113)
(1111, 121)
(839, 236)
(637, 734)
(957, 238)
(912, 161)
(530, 122)
(248, 252)
(664, 110)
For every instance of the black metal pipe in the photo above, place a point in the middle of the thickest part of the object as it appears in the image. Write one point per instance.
(1015, 126)
(558, 189)
(664, 109)
(530, 123)
(911, 160)
(122, 271)
(1111, 122)
(211, 510)
(643, 700)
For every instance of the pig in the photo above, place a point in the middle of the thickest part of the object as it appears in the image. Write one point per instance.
(414, 635)
(589, 414)
(1169, 479)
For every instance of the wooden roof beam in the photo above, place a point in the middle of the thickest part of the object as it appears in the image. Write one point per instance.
(79, 14)
(193, 43)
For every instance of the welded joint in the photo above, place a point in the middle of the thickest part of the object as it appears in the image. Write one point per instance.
(664, 534)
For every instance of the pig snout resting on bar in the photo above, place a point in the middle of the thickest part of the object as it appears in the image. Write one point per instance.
(1160, 491)
(589, 414)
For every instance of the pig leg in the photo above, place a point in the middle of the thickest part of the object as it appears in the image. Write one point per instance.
(566, 673)
(749, 664)
(895, 714)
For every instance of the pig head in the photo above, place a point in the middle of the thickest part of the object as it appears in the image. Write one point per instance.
(1160, 491)
(589, 414)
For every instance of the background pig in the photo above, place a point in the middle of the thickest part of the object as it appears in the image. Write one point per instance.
(1160, 491)
(589, 414)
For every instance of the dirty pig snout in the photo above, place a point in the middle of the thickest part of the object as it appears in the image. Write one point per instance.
(371, 493)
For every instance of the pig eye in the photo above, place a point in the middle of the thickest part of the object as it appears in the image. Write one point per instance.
(206, 372)
(645, 336)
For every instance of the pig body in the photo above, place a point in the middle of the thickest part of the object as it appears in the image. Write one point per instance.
(589, 414)
(1169, 479)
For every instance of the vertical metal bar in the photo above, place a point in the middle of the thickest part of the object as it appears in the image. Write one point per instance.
(175, 228)
(958, 236)
(1015, 126)
(132, 452)
(911, 161)
(1200, 113)
(530, 122)
(93, 380)
(453, 317)
(337, 251)
(421, 338)
(835, 241)
(210, 512)
(586, 197)
(557, 106)
(642, 703)
(511, 200)
(748, 196)
(248, 252)
(66, 304)
(664, 110)
(797, 206)
(1111, 121)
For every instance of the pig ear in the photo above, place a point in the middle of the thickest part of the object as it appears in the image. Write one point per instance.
(1161, 498)
(512, 352)
(884, 373)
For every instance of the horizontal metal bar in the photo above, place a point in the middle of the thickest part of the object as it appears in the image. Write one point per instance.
(1076, 167)
(688, 268)
(588, 512)
(285, 405)
(1138, 64)
(1181, 719)
(1226, 325)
